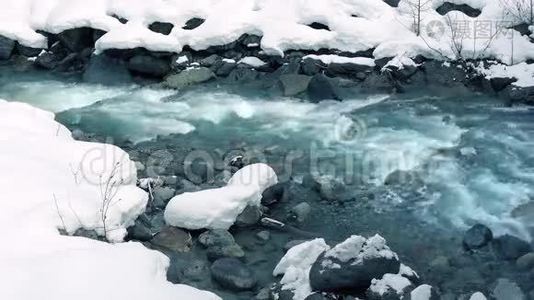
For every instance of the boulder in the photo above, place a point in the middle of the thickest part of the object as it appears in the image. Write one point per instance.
(320, 88)
(509, 247)
(294, 84)
(301, 211)
(392, 3)
(526, 262)
(77, 39)
(102, 69)
(296, 192)
(161, 27)
(223, 68)
(331, 188)
(389, 287)
(162, 195)
(507, 290)
(219, 251)
(353, 264)
(250, 216)
(27, 51)
(311, 67)
(210, 60)
(189, 77)
(149, 65)
(6, 47)
(346, 69)
(232, 274)
(140, 231)
(47, 60)
(193, 23)
(447, 7)
(173, 239)
(477, 236)
(273, 194)
(220, 243)
(500, 83)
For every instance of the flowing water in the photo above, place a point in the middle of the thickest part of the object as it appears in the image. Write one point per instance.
(473, 155)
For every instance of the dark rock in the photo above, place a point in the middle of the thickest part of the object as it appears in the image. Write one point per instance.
(161, 27)
(263, 235)
(173, 239)
(321, 296)
(319, 26)
(140, 231)
(223, 68)
(466, 9)
(522, 94)
(301, 211)
(189, 77)
(47, 60)
(297, 193)
(232, 274)
(6, 47)
(120, 19)
(162, 195)
(294, 84)
(210, 60)
(187, 269)
(220, 251)
(500, 83)
(90, 234)
(308, 181)
(105, 70)
(523, 29)
(346, 69)
(216, 237)
(193, 23)
(320, 88)
(292, 244)
(332, 189)
(149, 65)
(392, 3)
(77, 39)
(509, 247)
(27, 51)
(250, 216)
(357, 269)
(477, 236)
(247, 39)
(311, 67)
(400, 177)
(273, 194)
(71, 63)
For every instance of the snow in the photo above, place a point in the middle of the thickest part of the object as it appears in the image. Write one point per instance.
(51, 182)
(523, 72)
(358, 248)
(182, 59)
(422, 292)
(296, 264)
(252, 61)
(477, 296)
(355, 25)
(394, 282)
(218, 208)
(407, 271)
(400, 61)
(331, 58)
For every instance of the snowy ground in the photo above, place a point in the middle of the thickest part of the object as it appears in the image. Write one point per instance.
(51, 182)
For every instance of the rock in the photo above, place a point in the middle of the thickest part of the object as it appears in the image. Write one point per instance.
(308, 181)
(232, 274)
(263, 294)
(423, 292)
(27, 51)
(509, 247)
(263, 235)
(522, 94)
(389, 287)
(149, 65)
(500, 83)
(297, 193)
(102, 69)
(140, 231)
(400, 177)
(292, 244)
(320, 88)
(346, 69)
(273, 194)
(77, 39)
(331, 188)
(321, 296)
(162, 195)
(90, 234)
(243, 74)
(47, 60)
(477, 236)
(161, 27)
(440, 265)
(507, 290)
(466, 9)
(223, 68)
(526, 262)
(210, 60)
(189, 77)
(174, 239)
(408, 273)
(6, 47)
(301, 211)
(294, 84)
(311, 67)
(219, 251)
(352, 264)
(193, 23)
(250, 216)
(392, 3)
(216, 237)
(319, 26)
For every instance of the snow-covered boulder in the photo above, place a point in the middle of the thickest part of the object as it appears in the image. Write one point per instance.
(390, 287)
(423, 292)
(295, 267)
(50, 181)
(353, 264)
(218, 208)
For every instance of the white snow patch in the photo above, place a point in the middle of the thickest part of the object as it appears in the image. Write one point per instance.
(252, 61)
(523, 72)
(422, 292)
(358, 248)
(182, 59)
(218, 208)
(478, 296)
(332, 58)
(389, 282)
(405, 270)
(51, 182)
(296, 265)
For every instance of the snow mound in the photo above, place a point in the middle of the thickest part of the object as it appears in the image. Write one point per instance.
(296, 265)
(523, 72)
(218, 208)
(358, 248)
(331, 58)
(51, 182)
(389, 282)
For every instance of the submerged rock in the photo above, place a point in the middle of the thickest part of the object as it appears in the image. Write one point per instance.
(423, 292)
(294, 84)
(189, 77)
(149, 65)
(526, 262)
(220, 243)
(232, 274)
(509, 247)
(507, 290)
(353, 264)
(162, 195)
(320, 88)
(250, 216)
(173, 239)
(477, 236)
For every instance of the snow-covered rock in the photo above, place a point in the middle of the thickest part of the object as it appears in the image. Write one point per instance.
(390, 286)
(296, 264)
(353, 264)
(50, 181)
(219, 208)
(478, 296)
(423, 292)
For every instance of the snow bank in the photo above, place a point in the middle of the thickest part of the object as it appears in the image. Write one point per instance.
(50, 182)
(353, 25)
(296, 265)
(523, 72)
(219, 208)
